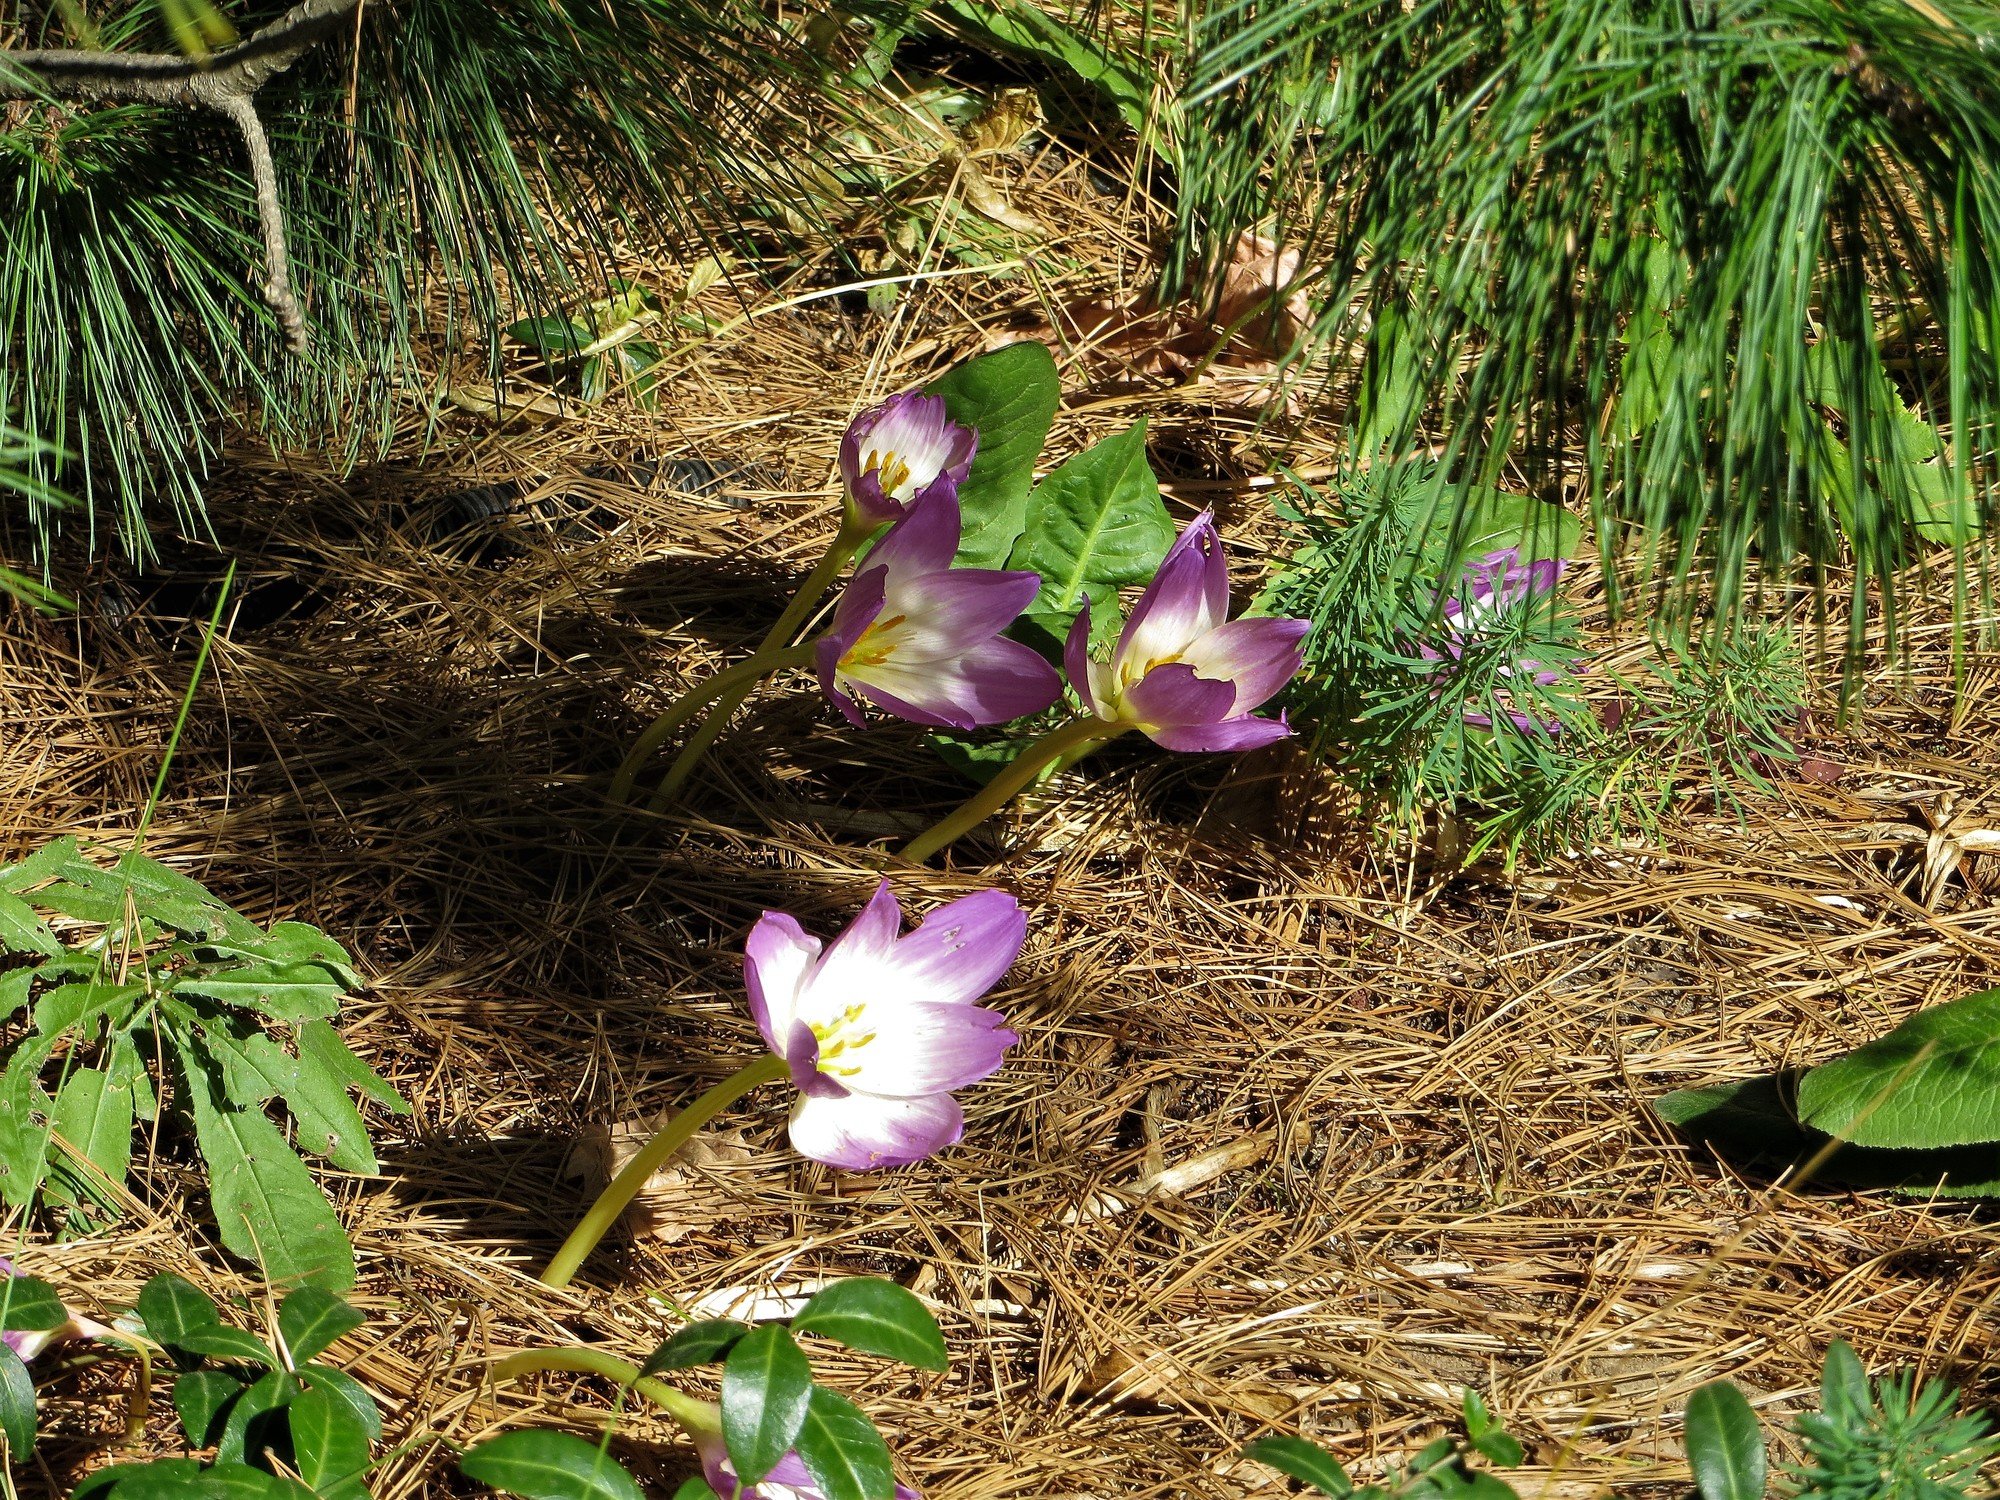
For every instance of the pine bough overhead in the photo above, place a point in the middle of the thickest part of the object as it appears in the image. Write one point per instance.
(1732, 260)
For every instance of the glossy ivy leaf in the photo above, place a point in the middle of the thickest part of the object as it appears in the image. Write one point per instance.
(349, 1391)
(250, 1426)
(1302, 1461)
(1725, 1445)
(231, 1481)
(28, 1305)
(1010, 397)
(311, 1318)
(842, 1450)
(172, 1308)
(157, 1478)
(1933, 1081)
(876, 1316)
(329, 1448)
(766, 1385)
(225, 1343)
(1094, 526)
(17, 1405)
(697, 1344)
(200, 1396)
(541, 1465)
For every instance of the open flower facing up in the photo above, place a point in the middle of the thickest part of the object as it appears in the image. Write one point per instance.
(898, 452)
(880, 1027)
(1495, 585)
(922, 639)
(1183, 673)
(789, 1480)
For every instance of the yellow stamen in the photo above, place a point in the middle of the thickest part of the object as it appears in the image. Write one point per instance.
(875, 645)
(836, 1037)
(893, 472)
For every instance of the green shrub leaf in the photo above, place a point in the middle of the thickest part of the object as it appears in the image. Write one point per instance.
(30, 1306)
(541, 1465)
(311, 1318)
(172, 1308)
(1303, 1462)
(344, 1387)
(697, 1344)
(1725, 1445)
(199, 1399)
(842, 1450)
(876, 1316)
(330, 1447)
(1933, 1081)
(766, 1384)
(17, 1405)
(1010, 396)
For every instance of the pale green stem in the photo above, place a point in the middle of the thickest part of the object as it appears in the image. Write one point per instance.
(691, 1413)
(652, 1156)
(741, 677)
(810, 593)
(1066, 743)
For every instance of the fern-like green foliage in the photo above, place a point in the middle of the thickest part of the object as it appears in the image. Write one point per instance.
(1873, 1440)
(1600, 238)
(444, 167)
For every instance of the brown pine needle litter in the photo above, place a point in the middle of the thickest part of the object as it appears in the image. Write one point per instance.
(1299, 1138)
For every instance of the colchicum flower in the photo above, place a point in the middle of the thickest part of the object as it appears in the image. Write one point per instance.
(922, 639)
(899, 452)
(881, 1027)
(1495, 584)
(789, 1480)
(27, 1343)
(1183, 673)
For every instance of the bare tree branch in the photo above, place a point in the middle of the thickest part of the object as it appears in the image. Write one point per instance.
(225, 82)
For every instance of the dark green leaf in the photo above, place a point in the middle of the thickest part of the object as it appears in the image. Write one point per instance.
(978, 760)
(697, 1344)
(311, 1318)
(54, 858)
(876, 1316)
(157, 1478)
(842, 1450)
(24, 1136)
(549, 1466)
(249, 1427)
(288, 944)
(330, 1447)
(1025, 29)
(1303, 1462)
(199, 1397)
(1933, 1081)
(30, 1306)
(1010, 396)
(173, 1308)
(550, 336)
(696, 1488)
(17, 1405)
(344, 1387)
(223, 1342)
(1501, 1448)
(766, 1384)
(233, 1481)
(1725, 1445)
(1478, 1418)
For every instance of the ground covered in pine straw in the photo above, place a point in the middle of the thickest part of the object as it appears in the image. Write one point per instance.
(1405, 1113)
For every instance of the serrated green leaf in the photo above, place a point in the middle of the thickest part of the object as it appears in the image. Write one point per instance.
(344, 1387)
(1933, 1081)
(128, 1071)
(325, 1120)
(766, 1383)
(199, 1399)
(1094, 526)
(17, 1405)
(876, 1316)
(21, 931)
(1725, 1445)
(330, 1447)
(46, 863)
(540, 1465)
(291, 943)
(30, 1305)
(172, 1307)
(249, 1427)
(70, 1005)
(697, 1344)
(293, 993)
(24, 1110)
(842, 1450)
(321, 1045)
(1300, 1460)
(311, 1318)
(93, 1118)
(1010, 397)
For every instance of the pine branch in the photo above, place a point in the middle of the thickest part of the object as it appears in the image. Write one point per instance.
(226, 83)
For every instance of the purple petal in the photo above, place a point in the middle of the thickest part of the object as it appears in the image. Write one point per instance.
(1259, 656)
(1076, 661)
(846, 974)
(1187, 598)
(1174, 695)
(863, 1131)
(860, 605)
(1245, 733)
(994, 682)
(924, 541)
(778, 958)
(913, 1051)
(948, 611)
(960, 951)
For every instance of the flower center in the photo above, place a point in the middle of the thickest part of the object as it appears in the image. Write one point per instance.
(891, 470)
(843, 1036)
(876, 644)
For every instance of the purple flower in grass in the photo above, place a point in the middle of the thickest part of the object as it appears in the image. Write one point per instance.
(1494, 585)
(1183, 673)
(900, 451)
(788, 1480)
(881, 1026)
(922, 639)
(27, 1343)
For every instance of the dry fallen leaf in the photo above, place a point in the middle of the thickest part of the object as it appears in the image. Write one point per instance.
(684, 1195)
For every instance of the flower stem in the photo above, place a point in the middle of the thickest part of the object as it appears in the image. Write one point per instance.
(683, 1408)
(1067, 743)
(739, 678)
(810, 593)
(652, 1156)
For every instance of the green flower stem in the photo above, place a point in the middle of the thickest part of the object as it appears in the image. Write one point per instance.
(738, 679)
(652, 1156)
(810, 593)
(683, 1408)
(1065, 744)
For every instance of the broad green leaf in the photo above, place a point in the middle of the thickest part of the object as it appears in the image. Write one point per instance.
(1933, 1081)
(549, 337)
(696, 1488)
(173, 1308)
(231, 1481)
(1302, 1461)
(291, 992)
(329, 1446)
(249, 1427)
(1490, 521)
(93, 1117)
(69, 1005)
(28, 1305)
(1010, 397)
(24, 1109)
(697, 1344)
(325, 1119)
(766, 1384)
(17, 1405)
(56, 857)
(1501, 1448)
(199, 1398)
(320, 1044)
(1843, 1384)
(155, 1478)
(541, 1465)
(128, 1071)
(267, 1207)
(21, 931)
(344, 1387)
(876, 1316)
(221, 1341)
(1094, 526)
(311, 1318)
(842, 1450)
(1022, 28)
(291, 943)
(980, 760)
(1725, 1445)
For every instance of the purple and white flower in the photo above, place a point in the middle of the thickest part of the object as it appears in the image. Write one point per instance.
(1494, 585)
(921, 638)
(882, 1026)
(899, 452)
(27, 1343)
(1183, 673)
(788, 1479)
